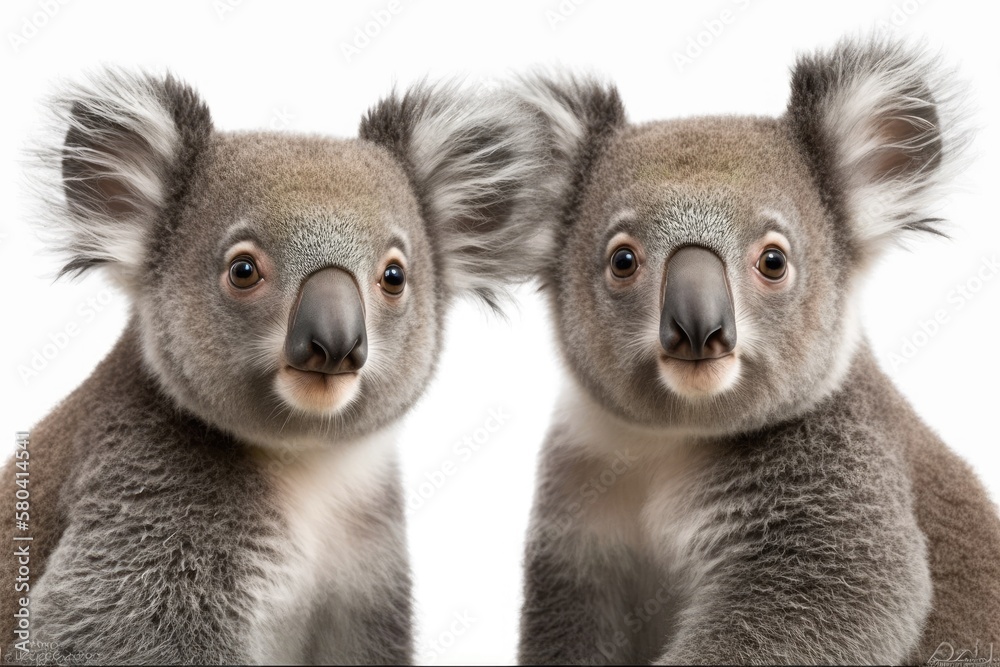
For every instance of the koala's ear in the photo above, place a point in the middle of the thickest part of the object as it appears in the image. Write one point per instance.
(580, 115)
(474, 160)
(128, 139)
(877, 122)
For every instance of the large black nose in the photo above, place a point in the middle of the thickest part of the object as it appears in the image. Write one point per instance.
(697, 320)
(326, 328)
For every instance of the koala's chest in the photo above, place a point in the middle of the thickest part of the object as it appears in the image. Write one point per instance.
(634, 488)
(326, 503)
(645, 502)
(624, 493)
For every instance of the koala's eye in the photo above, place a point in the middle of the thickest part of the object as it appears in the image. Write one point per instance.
(772, 264)
(393, 279)
(624, 262)
(243, 273)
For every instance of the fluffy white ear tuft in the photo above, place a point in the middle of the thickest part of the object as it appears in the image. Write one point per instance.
(881, 127)
(476, 159)
(121, 137)
(580, 113)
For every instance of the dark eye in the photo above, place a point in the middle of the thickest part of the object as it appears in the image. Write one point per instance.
(243, 273)
(393, 279)
(772, 264)
(624, 262)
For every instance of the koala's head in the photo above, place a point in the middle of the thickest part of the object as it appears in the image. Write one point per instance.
(292, 288)
(704, 269)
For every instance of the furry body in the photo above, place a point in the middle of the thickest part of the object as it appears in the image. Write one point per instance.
(223, 488)
(780, 503)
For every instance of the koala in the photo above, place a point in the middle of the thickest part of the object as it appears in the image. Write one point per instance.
(729, 477)
(224, 487)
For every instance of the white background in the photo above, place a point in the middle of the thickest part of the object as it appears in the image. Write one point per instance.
(281, 66)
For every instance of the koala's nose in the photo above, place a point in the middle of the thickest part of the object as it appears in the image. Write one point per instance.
(697, 320)
(326, 328)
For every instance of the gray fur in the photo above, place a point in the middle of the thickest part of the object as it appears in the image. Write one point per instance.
(188, 510)
(472, 161)
(793, 515)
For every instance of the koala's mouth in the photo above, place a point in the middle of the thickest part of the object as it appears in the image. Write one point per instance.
(699, 378)
(316, 392)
